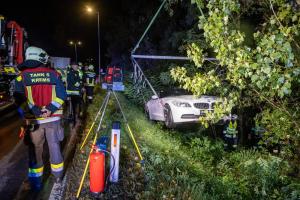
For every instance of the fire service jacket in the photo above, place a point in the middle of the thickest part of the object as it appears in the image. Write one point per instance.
(74, 82)
(90, 78)
(42, 88)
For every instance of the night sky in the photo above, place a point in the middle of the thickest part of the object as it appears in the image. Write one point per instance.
(52, 24)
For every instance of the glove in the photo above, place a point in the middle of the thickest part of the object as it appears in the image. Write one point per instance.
(77, 84)
(45, 113)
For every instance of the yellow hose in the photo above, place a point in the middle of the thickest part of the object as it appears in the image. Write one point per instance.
(93, 124)
(134, 142)
(87, 135)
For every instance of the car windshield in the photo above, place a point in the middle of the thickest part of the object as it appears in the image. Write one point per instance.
(174, 92)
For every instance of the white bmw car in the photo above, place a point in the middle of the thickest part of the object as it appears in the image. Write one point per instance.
(179, 109)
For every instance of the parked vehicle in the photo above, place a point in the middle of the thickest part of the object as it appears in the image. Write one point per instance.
(113, 79)
(176, 109)
(13, 43)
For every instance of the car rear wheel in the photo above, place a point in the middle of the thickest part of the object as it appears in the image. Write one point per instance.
(169, 122)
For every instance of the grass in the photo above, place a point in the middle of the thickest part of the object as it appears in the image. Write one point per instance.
(184, 164)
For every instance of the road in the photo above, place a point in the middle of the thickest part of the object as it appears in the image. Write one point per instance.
(9, 128)
(13, 155)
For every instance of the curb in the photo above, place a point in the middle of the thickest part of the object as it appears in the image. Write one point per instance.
(58, 189)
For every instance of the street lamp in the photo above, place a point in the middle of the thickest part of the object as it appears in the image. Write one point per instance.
(91, 10)
(75, 43)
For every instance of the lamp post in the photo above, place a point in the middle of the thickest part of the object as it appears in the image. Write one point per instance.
(75, 47)
(91, 10)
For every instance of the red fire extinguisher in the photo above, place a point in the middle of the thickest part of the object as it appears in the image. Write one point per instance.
(97, 171)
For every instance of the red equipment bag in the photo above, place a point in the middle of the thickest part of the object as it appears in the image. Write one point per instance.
(97, 171)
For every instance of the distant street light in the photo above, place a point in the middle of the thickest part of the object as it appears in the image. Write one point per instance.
(91, 10)
(75, 43)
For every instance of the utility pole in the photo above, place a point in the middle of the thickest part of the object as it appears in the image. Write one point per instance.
(89, 9)
(99, 47)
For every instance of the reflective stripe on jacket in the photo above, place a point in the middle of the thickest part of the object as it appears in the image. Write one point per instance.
(74, 83)
(90, 78)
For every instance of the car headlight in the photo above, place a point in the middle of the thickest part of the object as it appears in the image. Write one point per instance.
(181, 104)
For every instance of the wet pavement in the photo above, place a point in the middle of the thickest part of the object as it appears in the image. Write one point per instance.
(10, 124)
(13, 155)
(14, 159)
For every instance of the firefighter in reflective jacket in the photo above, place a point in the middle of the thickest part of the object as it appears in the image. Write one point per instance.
(45, 94)
(89, 78)
(230, 135)
(81, 74)
(74, 90)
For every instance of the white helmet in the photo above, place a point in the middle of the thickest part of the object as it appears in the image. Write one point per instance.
(37, 54)
(91, 67)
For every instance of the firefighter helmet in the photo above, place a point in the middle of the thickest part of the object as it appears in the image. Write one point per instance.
(91, 67)
(37, 54)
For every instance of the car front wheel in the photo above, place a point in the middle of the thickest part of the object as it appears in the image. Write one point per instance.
(169, 122)
(147, 113)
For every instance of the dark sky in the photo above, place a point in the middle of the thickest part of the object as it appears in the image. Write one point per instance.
(51, 24)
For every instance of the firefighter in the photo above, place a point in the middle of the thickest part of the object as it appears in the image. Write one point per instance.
(230, 135)
(89, 79)
(74, 91)
(44, 93)
(81, 75)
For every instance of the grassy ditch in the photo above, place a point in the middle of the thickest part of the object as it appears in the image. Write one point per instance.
(201, 169)
(178, 166)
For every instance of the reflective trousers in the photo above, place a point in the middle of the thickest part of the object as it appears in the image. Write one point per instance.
(54, 134)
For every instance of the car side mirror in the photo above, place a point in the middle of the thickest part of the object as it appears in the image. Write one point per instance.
(154, 97)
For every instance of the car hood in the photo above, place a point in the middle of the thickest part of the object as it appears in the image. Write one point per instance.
(203, 98)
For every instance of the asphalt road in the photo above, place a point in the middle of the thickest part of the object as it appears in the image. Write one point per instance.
(13, 155)
(9, 129)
